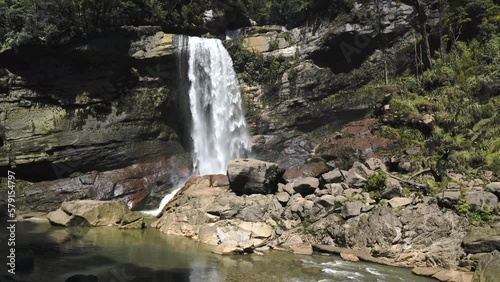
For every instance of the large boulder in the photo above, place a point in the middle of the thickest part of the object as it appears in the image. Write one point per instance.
(351, 209)
(305, 186)
(306, 170)
(392, 189)
(482, 201)
(88, 213)
(488, 268)
(482, 239)
(248, 176)
(494, 187)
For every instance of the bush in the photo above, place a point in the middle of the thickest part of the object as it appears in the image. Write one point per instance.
(375, 184)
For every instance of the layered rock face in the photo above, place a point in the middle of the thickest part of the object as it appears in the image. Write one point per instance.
(102, 105)
(328, 61)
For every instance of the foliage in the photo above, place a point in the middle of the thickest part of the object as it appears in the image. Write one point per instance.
(57, 21)
(255, 68)
(375, 184)
(463, 208)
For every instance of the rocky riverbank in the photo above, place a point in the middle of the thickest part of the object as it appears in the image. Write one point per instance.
(258, 206)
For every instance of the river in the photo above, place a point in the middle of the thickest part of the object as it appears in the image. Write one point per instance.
(150, 256)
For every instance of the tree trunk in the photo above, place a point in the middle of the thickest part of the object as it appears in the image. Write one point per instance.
(422, 23)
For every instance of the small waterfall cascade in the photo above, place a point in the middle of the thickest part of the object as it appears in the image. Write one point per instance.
(219, 132)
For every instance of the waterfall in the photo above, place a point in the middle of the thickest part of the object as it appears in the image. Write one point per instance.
(219, 131)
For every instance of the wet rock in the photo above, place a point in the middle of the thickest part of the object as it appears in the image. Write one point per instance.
(250, 176)
(393, 189)
(349, 257)
(132, 220)
(482, 239)
(307, 170)
(228, 248)
(61, 218)
(399, 202)
(351, 209)
(132, 184)
(452, 275)
(302, 249)
(88, 213)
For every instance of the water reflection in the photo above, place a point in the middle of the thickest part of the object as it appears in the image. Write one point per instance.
(149, 256)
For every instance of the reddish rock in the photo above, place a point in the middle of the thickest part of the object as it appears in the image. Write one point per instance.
(132, 185)
(355, 141)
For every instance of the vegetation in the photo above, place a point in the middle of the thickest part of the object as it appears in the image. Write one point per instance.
(255, 68)
(463, 208)
(375, 184)
(55, 22)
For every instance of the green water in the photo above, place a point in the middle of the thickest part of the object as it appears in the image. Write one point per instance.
(150, 256)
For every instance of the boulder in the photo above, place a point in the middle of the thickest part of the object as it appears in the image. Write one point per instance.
(399, 202)
(355, 179)
(329, 201)
(482, 201)
(380, 227)
(375, 164)
(361, 169)
(88, 213)
(392, 189)
(336, 189)
(333, 176)
(305, 186)
(132, 220)
(494, 187)
(283, 197)
(302, 248)
(228, 248)
(448, 199)
(482, 239)
(60, 218)
(488, 267)
(307, 170)
(351, 209)
(349, 257)
(248, 176)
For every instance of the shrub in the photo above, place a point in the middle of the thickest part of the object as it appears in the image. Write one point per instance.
(375, 184)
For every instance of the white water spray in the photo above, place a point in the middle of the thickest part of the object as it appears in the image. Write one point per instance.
(219, 131)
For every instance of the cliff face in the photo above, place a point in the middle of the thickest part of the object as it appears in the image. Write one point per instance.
(326, 64)
(104, 104)
(100, 105)
(112, 102)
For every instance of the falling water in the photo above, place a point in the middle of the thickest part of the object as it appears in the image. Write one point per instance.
(219, 131)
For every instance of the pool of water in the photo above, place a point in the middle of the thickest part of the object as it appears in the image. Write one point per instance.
(149, 256)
